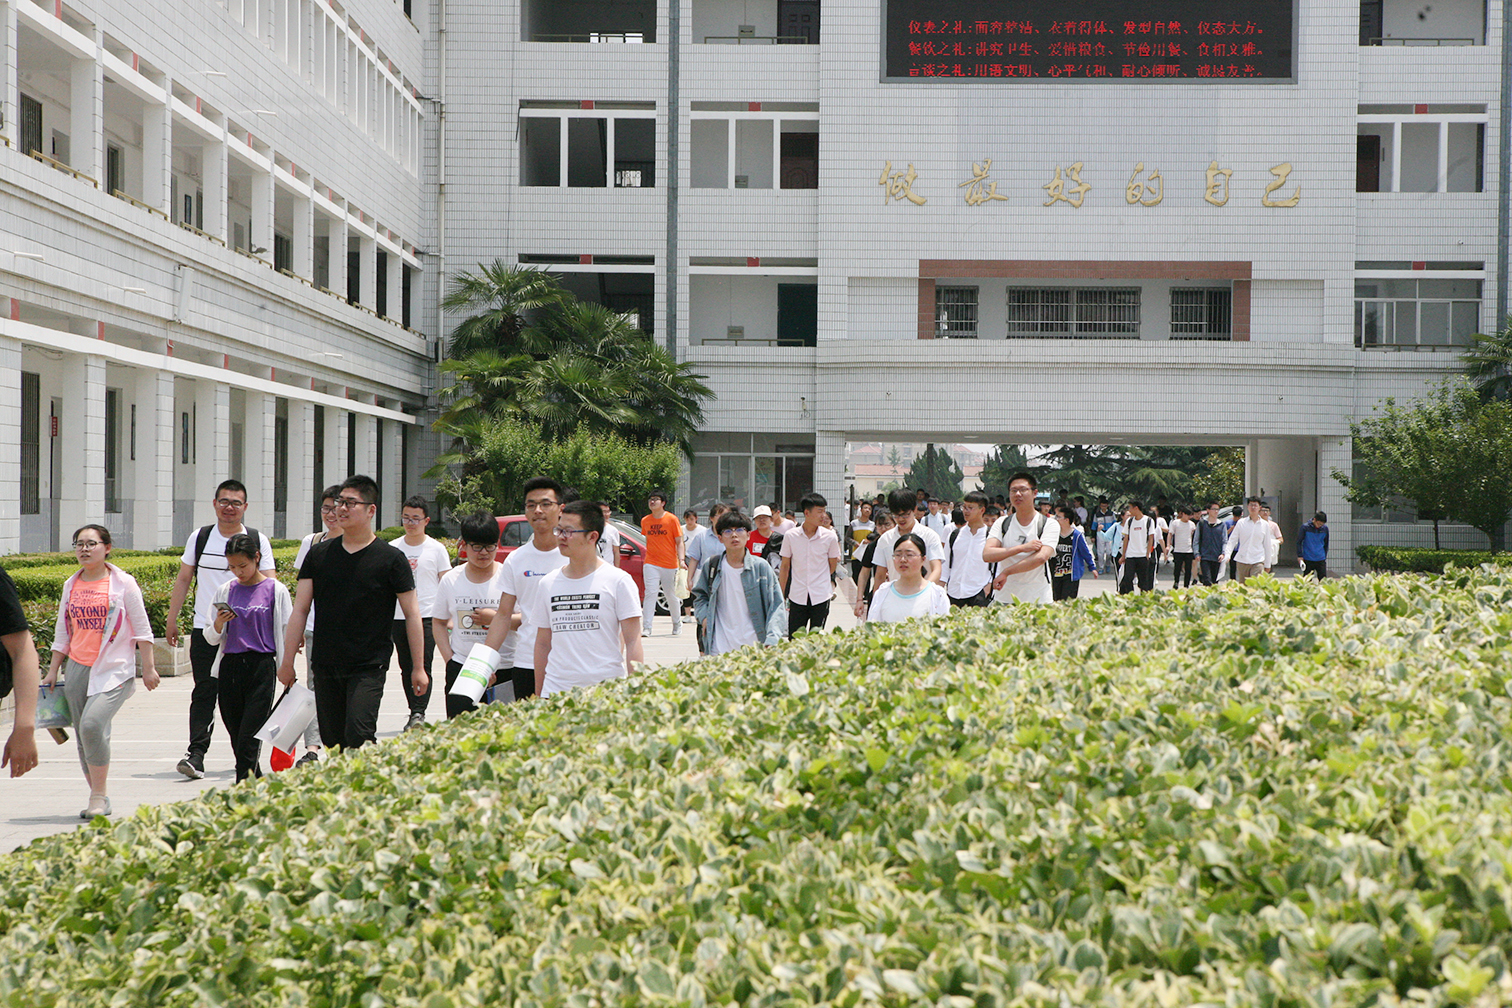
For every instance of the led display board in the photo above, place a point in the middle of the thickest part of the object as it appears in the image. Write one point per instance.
(1225, 41)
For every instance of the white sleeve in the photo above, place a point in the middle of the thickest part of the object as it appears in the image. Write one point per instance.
(267, 552)
(939, 602)
(936, 547)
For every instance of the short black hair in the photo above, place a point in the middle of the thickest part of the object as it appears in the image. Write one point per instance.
(331, 492)
(541, 483)
(657, 495)
(1033, 483)
(812, 500)
(731, 520)
(365, 487)
(957, 516)
(570, 494)
(1320, 516)
(242, 544)
(479, 527)
(589, 514)
(418, 503)
(914, 538)
(902, 500)
(1136, 505)
(236, 486)
(1068, 512)
(1253, 500)
(976, 497)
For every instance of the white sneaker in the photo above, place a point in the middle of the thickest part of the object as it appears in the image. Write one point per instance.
(645, 633)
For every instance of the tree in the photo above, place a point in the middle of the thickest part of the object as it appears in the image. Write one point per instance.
(1000, 466)
(1131, 473)
(937, 472)
(1489, 362)
(1449, 455)
(1220, 478)
(893, 458)
(533, 352)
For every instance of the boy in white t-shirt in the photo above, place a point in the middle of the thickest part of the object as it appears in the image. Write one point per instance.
(588, 613)
(524, 571)
(1023, 540)
(428, 561)
(465, 600)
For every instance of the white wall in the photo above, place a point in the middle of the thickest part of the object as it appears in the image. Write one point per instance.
(1414, 19)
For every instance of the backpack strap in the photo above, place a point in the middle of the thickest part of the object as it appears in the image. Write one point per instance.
(1039, 530)
(202, 539)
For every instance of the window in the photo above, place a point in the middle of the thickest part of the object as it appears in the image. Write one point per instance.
(112, 451)
(1201, 313)
(1411, 312)
(31, 443)
(1400, 149)
(31, 124)
(737, 149)
(1063, 312)
(955, 313)
(184, 438)
(609, 149)
(115, 169)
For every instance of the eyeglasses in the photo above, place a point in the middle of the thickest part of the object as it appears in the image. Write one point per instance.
(328, 509)
(733, 531)
(540, 505)
(86, 544)
(351, 502)
(907, 555)
(227, 502)
(481, 549)
(563, 533)
(1020, 491)
(413, 521)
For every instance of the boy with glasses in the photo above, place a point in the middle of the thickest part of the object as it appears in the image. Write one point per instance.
(736, 599)
(512, 633)
(428, 560)
(464, 611)
(330, 531)
(204, 563)
(586, 611)
(1024, 539)
(353, 582)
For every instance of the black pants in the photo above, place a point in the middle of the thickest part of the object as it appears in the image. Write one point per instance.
(346, 703)
(1317, 568)
(1183, 565)
(202, 701)
(805, 616)
(1142, 568)
(1210, 571)
(1064, 587)
(981, 598)
(417, 704)
(245, 692)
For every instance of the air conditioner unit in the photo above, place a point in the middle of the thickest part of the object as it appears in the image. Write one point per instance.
(735, 332)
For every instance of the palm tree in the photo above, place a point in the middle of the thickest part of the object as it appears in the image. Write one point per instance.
(1488, 362)
(500, 298)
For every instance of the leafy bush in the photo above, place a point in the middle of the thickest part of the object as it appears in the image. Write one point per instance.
(1426, 561)
(1283, 793)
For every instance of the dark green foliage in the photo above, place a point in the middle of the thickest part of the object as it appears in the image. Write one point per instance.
(937, 472)
(1426, 561)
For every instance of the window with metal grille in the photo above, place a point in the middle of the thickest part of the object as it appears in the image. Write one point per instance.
(1075, 313)
(955, 313)
(1201, 313)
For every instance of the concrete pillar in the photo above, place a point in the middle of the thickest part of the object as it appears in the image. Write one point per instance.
(217, 171)
(301, 475)
(337, 467)
(212, 435)
(86, 116)
(367, 279)
(257, 454)
(391, 443)
(10, 91)
(394, 286)
(1335, 453)
(157, 152)
(152, 469)
(829, 466)
(81, 496)
(366, 460)
(10, 444)
(262, 213)
(336, 230)
(303, 260)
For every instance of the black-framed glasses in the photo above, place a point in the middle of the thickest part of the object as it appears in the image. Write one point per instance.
(227, 502)
(481, 549)
(351, 502)
(327, 509)
(413, 521)
(540, 505)
(564, 533)
(86, 544)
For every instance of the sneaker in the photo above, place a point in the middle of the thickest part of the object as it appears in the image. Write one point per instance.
(313, 756)
(416, 720)
(192, 766)
(645, 633)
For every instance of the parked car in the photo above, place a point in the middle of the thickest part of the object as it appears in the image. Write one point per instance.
(514, 532)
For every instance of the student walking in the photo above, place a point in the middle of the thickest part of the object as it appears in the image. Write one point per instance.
(512, 631)
(204, 563)
(1141, 532)
(609, 546)
(428, 560)
(331, 531)
(810, 554)
(19, 672)
(1073, 557)
(1211, 536)
(249, 630)
(905, 512)
(1249, 543)
(968, 578)
(908, 594)
(1312, 546)
(353, 582)
(1025, 540)
(664, 555)
(586, 611)
(1181, 539)
(467, 601)
(736, 599)
(101, 631)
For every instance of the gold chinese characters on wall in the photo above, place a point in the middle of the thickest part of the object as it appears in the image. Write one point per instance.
(1143, 188)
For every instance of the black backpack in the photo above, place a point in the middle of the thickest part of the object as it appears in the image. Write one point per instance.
(203, 539)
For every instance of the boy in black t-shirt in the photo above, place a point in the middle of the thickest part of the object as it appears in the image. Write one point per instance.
(18, 670)
(354, 582)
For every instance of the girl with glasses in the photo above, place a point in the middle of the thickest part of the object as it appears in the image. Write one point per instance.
(101, 629)
(908, 595)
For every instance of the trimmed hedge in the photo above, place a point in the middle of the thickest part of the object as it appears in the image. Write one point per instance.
(1282, 793)
(1412, 559)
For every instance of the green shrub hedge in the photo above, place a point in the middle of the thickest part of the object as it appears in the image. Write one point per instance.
(1282, 793)
(1426, 561)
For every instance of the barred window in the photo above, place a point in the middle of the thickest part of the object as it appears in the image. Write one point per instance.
(955, 313)
(1201, 313)
(1076, 313)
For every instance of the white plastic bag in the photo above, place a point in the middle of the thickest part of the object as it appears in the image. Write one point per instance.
(289, 719)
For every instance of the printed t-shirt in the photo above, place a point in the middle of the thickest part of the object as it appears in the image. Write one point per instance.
(891, 606)
(1140, 536)
(1065, 555)
(213, 571)
(12, 621)
(428, 561)
(584, 616)
(756, 544)
(661, 539)
(88, 602)
(1031, 585)
(524, 571)
(733, 628)
(934, 549)
(251, 629)
(354, 601)
(456, 598)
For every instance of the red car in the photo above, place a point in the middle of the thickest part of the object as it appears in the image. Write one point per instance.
(515, 531)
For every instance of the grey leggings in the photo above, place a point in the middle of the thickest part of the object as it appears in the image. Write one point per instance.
(92, 714)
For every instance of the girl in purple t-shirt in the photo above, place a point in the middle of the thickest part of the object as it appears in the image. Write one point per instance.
(251, 614)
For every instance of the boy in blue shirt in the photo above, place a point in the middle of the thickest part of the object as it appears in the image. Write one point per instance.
(1312, 546)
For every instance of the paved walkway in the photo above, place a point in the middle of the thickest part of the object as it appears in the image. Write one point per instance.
(150, 732)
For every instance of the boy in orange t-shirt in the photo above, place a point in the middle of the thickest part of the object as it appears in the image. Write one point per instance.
(664, 557)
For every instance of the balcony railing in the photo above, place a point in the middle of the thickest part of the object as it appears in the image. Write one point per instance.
(65, 168)
(632, 38)
(1430, 42)
(756, 40)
